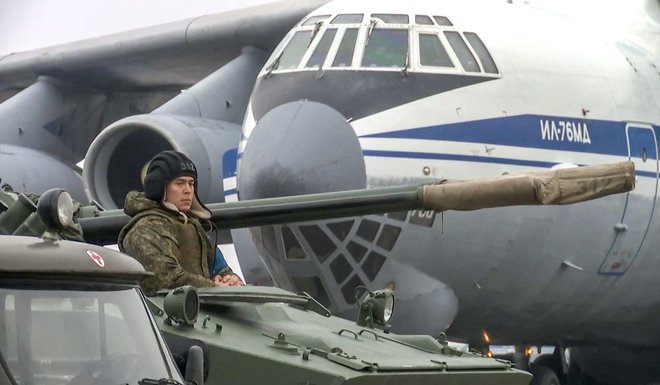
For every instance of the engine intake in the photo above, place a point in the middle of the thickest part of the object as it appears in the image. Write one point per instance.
(115, 159)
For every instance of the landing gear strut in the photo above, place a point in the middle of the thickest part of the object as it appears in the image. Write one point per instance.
(548, 369)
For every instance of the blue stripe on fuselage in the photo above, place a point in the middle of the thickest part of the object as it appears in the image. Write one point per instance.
(530, 131)
(533, 131)
(229, 163)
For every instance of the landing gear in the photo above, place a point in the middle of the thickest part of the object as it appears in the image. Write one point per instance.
(575, 376)
(547, 369)
(543, 375)
(559, 369)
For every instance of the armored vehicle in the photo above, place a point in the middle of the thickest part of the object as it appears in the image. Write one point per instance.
(272, 336)
(73, 313)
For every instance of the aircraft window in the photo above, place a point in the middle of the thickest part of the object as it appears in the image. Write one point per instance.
(340, 268)
(386, 48)
(423, 20)
(321, 245)
(356, 250)
(399, 215)
(294, 51)
(388, 237)
(314, 287)
(348, 19)
(269, 239)
(441, 20)
(292, 248)
(390, 18)
(432, 52)
(321, 51)
(482, 52)
(315, 19)
(341, 229)
(372, 265)
(344, 56)
(348, 290)
(467, 59)
(368, 230)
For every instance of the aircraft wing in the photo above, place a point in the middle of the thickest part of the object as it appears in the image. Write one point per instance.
(82, 87)
(166, 57)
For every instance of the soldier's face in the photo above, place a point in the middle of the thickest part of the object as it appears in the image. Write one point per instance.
(181, 192)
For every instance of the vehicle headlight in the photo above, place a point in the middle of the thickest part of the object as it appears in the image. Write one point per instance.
(56, 209)
(182, 305)
(388, 308)
(377, 308)
(384, 306)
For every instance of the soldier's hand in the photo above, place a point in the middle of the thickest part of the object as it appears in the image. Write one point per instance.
(232, 280)
(228, 280)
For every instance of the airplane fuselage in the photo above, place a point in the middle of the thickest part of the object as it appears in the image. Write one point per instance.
(476, 90)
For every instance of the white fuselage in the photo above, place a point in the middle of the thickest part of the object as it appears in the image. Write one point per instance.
(565, 93)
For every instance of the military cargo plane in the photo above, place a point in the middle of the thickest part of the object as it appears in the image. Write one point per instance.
(306, 97)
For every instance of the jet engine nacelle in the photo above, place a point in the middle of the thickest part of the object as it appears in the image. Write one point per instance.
(115, 159)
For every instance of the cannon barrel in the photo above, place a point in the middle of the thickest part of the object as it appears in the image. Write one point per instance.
(556, 187)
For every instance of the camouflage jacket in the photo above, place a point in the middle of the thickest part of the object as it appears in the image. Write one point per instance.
(172, 245)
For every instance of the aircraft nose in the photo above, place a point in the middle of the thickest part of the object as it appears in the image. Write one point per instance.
(307, 147)
(300, 148)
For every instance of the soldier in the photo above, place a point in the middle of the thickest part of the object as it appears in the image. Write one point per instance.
(165, 233)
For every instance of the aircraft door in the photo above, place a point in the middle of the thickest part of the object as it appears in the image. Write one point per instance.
(632, 230)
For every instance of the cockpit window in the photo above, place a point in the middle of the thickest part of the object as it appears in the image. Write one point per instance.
(294, 51)
(344, 56)
(390, 18)
(432, 52)
(382, 41)
(348, 19)
(482, 52)
(315, 19)
(321, 51)
(441, 20)
(386, 48)
(465, 56)
(423, 20)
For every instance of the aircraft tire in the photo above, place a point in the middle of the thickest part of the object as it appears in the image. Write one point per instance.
(543, 375)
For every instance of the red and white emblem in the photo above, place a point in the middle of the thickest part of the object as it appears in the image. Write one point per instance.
(96, 257)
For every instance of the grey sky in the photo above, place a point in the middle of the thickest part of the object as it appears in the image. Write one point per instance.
(30, 24)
